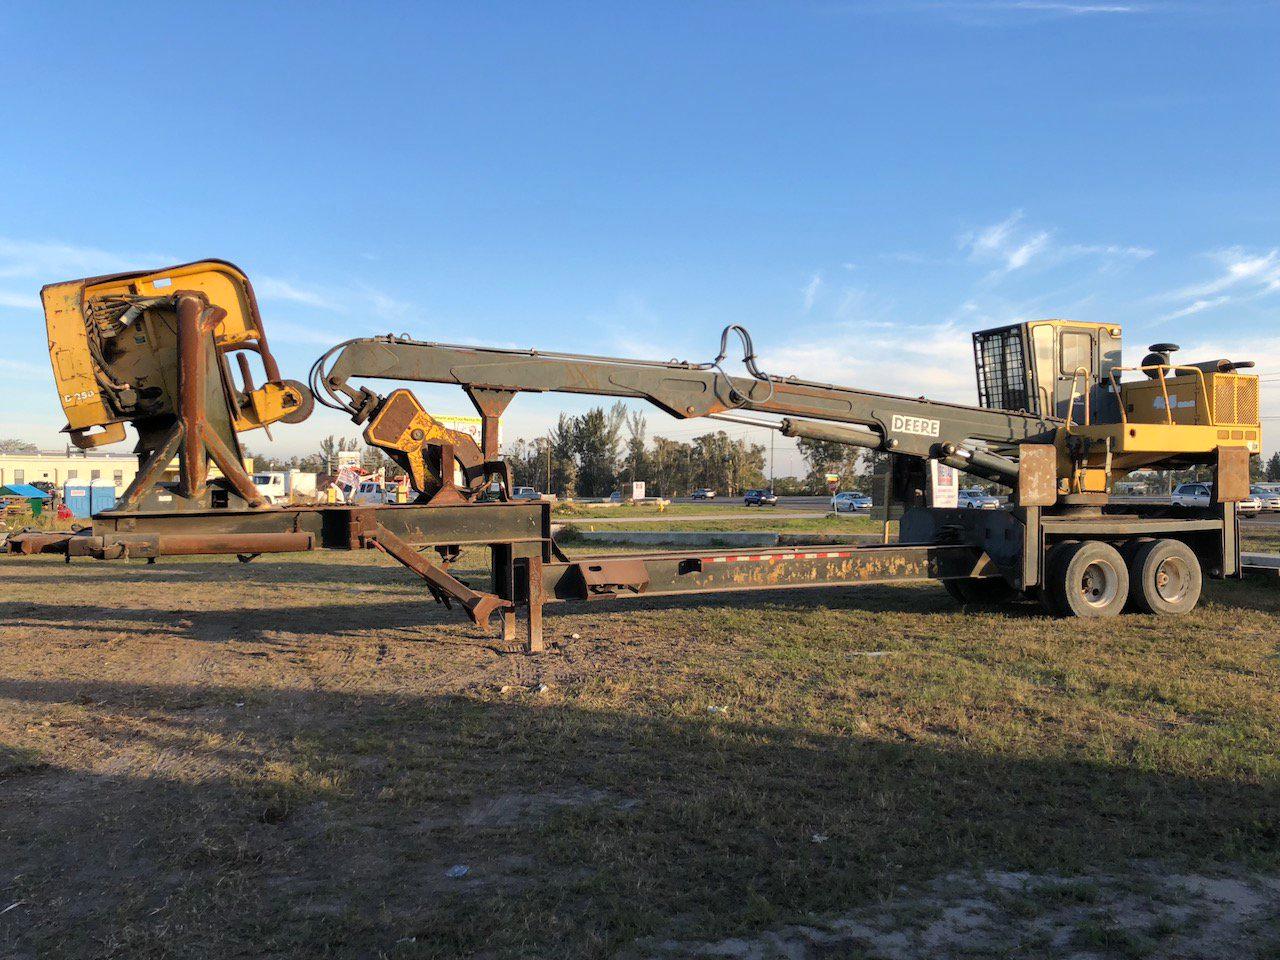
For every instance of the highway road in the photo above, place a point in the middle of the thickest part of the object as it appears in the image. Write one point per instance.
(722, 506)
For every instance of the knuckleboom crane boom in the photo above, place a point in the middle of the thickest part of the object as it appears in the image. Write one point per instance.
(1046, 384)
(906, 426)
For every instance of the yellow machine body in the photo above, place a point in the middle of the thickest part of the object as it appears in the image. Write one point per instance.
(84, 323)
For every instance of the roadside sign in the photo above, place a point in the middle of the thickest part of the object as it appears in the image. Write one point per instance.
(944, 486)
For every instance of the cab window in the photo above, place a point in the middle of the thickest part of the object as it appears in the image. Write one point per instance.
(1077, 352)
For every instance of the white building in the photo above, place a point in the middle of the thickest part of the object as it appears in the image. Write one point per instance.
(57, 467)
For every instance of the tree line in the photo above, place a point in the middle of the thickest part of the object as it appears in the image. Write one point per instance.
(594, 453)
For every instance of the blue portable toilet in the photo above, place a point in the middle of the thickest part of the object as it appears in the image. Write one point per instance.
(86, 499)
(102, 495)
(76, 496)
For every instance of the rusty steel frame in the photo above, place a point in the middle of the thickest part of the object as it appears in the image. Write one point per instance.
(192, 438)
(527, 569)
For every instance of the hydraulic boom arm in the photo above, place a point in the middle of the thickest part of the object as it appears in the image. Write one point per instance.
(903, 425)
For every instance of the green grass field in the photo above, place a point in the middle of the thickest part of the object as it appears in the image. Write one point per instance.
(287, 758)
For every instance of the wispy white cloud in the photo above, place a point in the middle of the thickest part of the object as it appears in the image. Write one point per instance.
(1243, 275)
(1107, 250)
(19, 301)
(1241, 269)
(893, 358)
(48, 262)
(21, 370)
(1011, 245)
(282, 331)
(1075, 9)
(387, 307)
(1002, 12)
(810, 291)
(272, 288)
(1196, 306)
(1007, 243)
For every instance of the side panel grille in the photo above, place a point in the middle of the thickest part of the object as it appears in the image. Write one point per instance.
(1235, 399)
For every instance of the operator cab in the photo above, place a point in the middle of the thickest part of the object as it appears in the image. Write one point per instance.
(1051, 368)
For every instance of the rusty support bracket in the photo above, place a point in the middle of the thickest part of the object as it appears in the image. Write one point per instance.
(480, 606)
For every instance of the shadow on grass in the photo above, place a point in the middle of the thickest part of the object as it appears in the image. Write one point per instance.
(323, 824)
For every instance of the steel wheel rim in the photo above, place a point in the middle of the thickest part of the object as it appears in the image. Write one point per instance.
(1099, 584)
(1172, 579)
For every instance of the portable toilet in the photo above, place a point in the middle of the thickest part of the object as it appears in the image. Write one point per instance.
(86, 499)
(76, 496)
(102, 496)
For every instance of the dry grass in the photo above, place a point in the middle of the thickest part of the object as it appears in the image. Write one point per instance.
(284, 759)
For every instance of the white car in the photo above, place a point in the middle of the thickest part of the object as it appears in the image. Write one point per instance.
(1270, 499)
(704, 493)
(848, 502)
(525, 493)
(1201, 495)
(976, 499)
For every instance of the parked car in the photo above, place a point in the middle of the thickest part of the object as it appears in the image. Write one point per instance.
(525, 493)
(1270, 499)
(1192, 495)
(974, 498)
(849, 501)
(704, 493)
(1201, 495)
(760, 498)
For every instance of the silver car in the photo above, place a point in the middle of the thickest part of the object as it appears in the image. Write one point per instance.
(1201, 495)
(849, 502)
(1269, 499)
(977, 499)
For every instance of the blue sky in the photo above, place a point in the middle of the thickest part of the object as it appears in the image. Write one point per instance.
(861, 184)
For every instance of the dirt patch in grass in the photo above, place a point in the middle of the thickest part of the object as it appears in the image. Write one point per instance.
(998, 914)
(304, 757)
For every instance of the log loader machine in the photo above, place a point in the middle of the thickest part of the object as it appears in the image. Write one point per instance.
(1058, 423)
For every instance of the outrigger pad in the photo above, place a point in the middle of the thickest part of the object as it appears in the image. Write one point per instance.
(1037, 475)
(1231, 478)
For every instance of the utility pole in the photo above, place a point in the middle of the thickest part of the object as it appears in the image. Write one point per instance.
(771, 433)
(547, 440)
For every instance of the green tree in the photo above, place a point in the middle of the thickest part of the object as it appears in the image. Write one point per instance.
(828, 456)
(564, 466)
(331, 446)
(1273, 468)
(596, 438)
(636, 466)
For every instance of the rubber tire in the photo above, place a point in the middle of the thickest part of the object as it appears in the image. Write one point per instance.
(1053, 559)
(1128, 549)
(1067, 572)
(1144, 567)
(980, 591)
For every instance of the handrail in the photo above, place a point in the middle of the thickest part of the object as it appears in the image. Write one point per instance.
(1071, 404)
(1164, 388)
